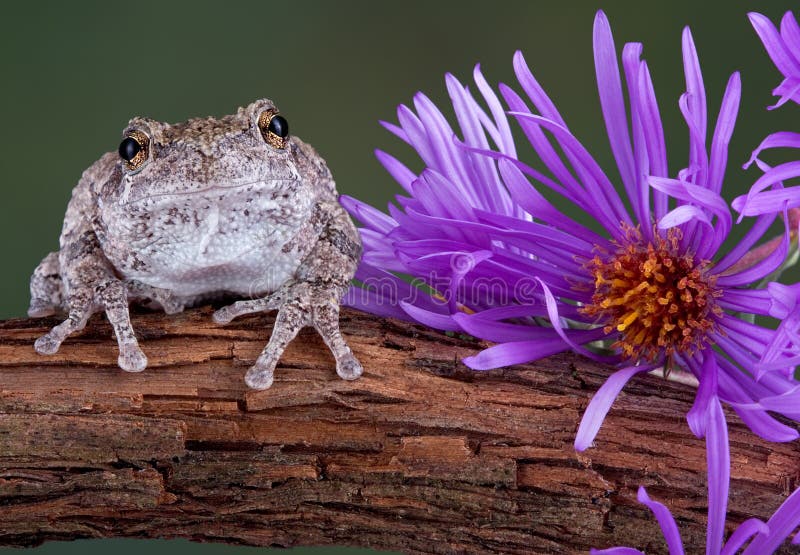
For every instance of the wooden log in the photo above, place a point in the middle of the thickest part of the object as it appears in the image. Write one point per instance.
(420, 455)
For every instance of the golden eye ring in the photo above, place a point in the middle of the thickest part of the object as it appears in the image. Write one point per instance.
(274, 128)
(134, 149)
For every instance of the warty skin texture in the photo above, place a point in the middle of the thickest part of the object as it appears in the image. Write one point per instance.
(214, 211)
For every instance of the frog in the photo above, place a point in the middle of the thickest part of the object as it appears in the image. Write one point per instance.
(201, 211)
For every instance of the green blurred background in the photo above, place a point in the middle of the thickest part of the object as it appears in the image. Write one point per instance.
(74, 73)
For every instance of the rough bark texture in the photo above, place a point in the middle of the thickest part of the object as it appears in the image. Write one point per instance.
(420, 455)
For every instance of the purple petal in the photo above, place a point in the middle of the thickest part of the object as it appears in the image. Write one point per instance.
(395, 130)
(790, 33)
(706, 393)
(781, 139)
(601, 402)
(538, 206)
(764, 267)
(436, 320)
(481, 169)
(742, 534)
(535, 91)
(448, 161)
(753, 236)
(639, 195)
(501, 332)
(665, 520)
(788, 89)
(683, 214)
(611, 211)
(758, 201)
(615, 551)
(372, 218)
(723, 131)
(693, 106)
(783, 522)
(506, 143)
(555, 321)
(774, 44)
(719, 469)
(654, 136)
(515, 352)
(396, 169)
(611, 99)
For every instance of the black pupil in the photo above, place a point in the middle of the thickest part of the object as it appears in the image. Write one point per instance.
(129, 148)
(279, 126)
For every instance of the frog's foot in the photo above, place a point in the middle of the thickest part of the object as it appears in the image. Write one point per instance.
(49, 343)
(308, 306)
(169, 303)
(81, 308)
(291, 318)
(111, 295)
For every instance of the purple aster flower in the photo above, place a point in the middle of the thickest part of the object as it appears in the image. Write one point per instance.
(763, 537)
(474, 245)
(784, 48)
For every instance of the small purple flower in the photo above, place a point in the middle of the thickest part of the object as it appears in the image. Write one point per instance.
(784, 48)
(477, 244)
(763, 537)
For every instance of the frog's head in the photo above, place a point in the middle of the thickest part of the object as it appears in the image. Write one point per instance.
(161, 162)
(183, 198)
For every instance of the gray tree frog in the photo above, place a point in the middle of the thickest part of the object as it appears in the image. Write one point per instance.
(195, 211)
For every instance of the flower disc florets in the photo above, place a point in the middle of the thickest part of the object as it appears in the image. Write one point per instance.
(657, 297)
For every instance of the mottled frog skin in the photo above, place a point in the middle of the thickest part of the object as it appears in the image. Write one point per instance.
(199, 210)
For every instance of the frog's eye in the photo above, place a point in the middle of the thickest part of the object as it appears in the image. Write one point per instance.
(274, 128)
(133, 149)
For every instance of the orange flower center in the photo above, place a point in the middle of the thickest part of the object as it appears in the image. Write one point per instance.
(657, 297)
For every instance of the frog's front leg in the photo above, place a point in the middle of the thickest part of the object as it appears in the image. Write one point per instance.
(90, 285)
(311, 297)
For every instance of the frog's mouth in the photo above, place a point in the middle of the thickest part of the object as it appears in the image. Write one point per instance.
(130, 198)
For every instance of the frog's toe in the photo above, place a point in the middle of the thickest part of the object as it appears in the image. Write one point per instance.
(47, 345)
(132, 359)
(259, 378)
(348, 367)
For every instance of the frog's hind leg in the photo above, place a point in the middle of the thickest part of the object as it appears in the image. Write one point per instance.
(47, 289)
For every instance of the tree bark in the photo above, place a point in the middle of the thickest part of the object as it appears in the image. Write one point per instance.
(420, 455)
